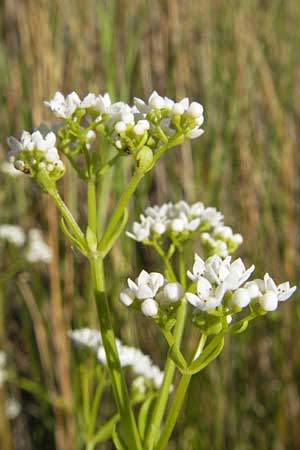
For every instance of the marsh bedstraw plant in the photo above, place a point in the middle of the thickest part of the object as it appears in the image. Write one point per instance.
(216, 295)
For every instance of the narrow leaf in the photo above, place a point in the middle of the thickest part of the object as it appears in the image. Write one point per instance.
(145, 415)
(210, 352)
(116, 440)
(177, 357)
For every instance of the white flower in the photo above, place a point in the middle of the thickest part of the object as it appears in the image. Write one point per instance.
(146, 285)
(37, 250)
(86, 337)
(64, 107)
(13, 234)
(214, 278)
(198, 268)
(12, 408)
(9, 169)
(149, 307)
(195, 110)
(132, 357)
(195, 133)
(140, 230)
(151, 291)
(219, 247)
(172, 293)
(270, 293)
(240, 298)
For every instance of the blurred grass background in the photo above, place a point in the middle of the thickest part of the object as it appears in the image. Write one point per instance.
(241, 61)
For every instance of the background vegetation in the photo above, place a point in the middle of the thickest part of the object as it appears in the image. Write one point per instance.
(241, 60)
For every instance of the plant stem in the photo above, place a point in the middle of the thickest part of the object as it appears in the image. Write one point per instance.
(92, 208)
(164, 392)
(128, 424)
(174, 411)
(119, 387)
(118, 212)
(170, 272)
(177, 403)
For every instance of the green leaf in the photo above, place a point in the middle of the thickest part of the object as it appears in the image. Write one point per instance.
(178, 358)
(70, 236)
(115, 235)
(145, 415)
(210, 352)
(239, 327)
(91, 239)
(106, 431)
(116, 440)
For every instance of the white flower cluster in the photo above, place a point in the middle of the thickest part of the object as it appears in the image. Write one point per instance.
(35, 152)
(172, 115)
(129, 128)
(140, 364)
(13, 234)
(151, 292)
(36, 250)
(221, 241)
(3, 372)
(267, 293)
(180, 220)
(216, 276)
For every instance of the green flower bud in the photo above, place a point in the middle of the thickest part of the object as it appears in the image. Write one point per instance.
(144, 159)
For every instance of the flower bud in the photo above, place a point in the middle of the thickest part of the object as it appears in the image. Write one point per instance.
(127, 297)
(128, 118)
(240, 298)
(90, 136)
(173, 292)
(268, 301)
(157, 102)
(159, 227)
(120, 127)
(139, 129)
(178, 108)
(177, 225)
(196, 110)
(145, 124)
(149, 307)
(144, 159)
(253, 289)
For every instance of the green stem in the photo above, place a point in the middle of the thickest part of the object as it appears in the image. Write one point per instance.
(174, 411)
(119, 210)
(119, 387)
(128, 424)
(170, 272)
(177, 403)
(92, 211)
(164, 391)
(108, 165)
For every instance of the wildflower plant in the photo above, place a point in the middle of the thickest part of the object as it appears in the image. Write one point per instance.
(218, 295)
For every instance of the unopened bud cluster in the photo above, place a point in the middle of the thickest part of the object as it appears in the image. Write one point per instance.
(35, 153)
